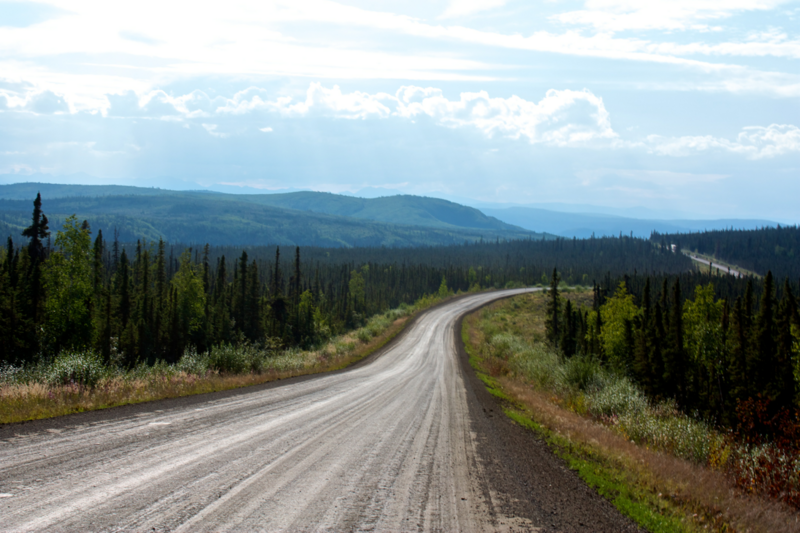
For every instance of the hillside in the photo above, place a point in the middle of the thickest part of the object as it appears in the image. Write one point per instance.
(27, 191)
(400, 209)
(584, 225)
(226, 219)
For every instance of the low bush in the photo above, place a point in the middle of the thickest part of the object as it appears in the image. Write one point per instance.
(611, 398)
(84, 368)
(193, 363)
(766, 450)
(581, 372)
(614, 395)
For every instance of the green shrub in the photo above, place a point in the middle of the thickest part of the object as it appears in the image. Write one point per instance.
(84, 368)
(502, 345)
(581, 372)
(193, 363)
(541, 364)
(228, 358)
(12, 375)
(616, 395)
(609, 396)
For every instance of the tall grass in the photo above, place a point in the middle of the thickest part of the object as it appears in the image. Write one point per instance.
(586, 386)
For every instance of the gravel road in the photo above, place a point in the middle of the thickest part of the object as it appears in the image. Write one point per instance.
(722, 268)
(396, 444)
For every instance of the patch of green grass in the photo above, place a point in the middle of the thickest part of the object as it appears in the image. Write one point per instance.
(610, 481)
(493, 387)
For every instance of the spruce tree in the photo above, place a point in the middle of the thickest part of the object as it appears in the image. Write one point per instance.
(656, 355)
(642, 342)
(553, 311)
(242, 320)
(253, 304)
(761, 364)
(568, 330)
(783, 387)
(737, 347)
(675, 368)
(97, 265)
(36, 232)
(122, 290)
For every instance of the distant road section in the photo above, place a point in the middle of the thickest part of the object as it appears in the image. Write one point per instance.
(386, 446)
(721, 268)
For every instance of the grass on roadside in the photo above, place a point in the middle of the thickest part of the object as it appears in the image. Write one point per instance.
(658, 482)
(79, 381)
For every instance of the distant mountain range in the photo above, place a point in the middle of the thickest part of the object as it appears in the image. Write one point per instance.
(301, 218)
(325, 219)
(584, 225)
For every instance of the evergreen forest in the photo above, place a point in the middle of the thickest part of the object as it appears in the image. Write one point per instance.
(709, 343)
(72, 288)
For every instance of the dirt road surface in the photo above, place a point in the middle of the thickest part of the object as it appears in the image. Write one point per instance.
(722, 268)
(408, 441)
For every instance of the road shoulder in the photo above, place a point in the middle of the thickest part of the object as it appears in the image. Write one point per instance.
(529, 479)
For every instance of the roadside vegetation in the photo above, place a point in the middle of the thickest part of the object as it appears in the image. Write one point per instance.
(668, 469)
(78, 381)
(87, 323)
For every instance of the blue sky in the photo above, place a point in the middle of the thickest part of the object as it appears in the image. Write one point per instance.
(680, 105)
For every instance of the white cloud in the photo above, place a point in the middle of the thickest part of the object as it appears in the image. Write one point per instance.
(620, 15)
(460, 8)
(773, 43)
(212, 130)
(754, 142)
(254, 40)
(561, 118)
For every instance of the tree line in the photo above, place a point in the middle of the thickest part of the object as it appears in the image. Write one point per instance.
(707, 342)
(148, 301)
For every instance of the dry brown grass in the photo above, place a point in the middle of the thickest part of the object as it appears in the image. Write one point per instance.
(709, 495)
(34, 401)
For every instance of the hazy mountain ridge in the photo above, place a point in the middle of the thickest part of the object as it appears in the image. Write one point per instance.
(584, 225)
(402, 209)
(215, 218)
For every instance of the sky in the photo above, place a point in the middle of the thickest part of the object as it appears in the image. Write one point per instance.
(689, 106)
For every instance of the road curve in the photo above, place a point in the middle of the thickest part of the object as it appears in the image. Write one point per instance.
(386, 446)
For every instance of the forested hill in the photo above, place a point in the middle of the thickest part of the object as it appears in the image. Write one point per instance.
(226, 219)
(27, 191)
(760, 250)
(400, 209)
